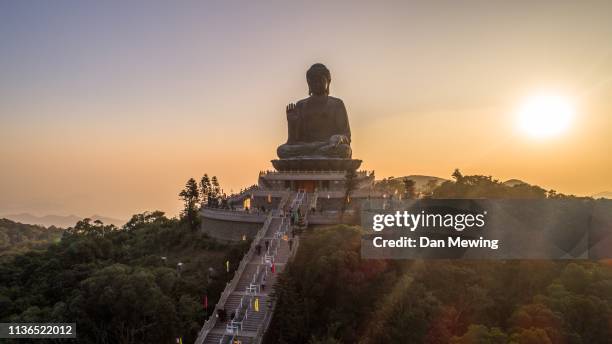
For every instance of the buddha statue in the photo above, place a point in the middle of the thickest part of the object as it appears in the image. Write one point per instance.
(318, 125)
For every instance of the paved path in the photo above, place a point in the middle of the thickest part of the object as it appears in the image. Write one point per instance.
(247, 296)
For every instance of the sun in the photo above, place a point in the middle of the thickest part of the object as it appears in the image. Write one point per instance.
(545, 115)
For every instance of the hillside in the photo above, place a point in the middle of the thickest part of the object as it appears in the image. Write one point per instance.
(17, 237)
(329, 294)
(117, 282)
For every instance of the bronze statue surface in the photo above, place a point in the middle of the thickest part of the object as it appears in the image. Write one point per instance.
(318, 125)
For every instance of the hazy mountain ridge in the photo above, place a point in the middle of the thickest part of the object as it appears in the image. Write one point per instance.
(604, 194)
(514, 182)
(63, 221)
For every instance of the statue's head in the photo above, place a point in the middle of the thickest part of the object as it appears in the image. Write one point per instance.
(318, 78)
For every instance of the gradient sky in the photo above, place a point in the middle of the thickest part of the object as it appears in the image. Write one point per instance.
(108, 107)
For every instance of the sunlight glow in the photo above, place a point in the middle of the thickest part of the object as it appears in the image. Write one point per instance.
(545, 115)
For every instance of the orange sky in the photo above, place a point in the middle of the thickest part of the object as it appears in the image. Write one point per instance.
(109, 112)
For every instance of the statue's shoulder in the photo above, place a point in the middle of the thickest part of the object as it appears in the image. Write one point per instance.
(336, 102)
(301, 102)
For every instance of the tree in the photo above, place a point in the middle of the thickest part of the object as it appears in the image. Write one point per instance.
(409, 188)
(124, 305)
(479, 186)
(431, 185)
(205, 188)
(482, 334)
(141, 220)
(191, 196)
(390, 186)
(530, 336)
(328, 290)
(216, 189)
(457, 176)
(121, 285)
(537, 315)
(86, 227)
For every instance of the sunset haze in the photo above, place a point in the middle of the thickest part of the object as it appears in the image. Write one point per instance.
(109, 107)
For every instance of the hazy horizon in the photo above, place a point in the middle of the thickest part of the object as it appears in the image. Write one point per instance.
(109, 107)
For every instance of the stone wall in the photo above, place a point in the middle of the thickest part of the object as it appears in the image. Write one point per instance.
(229, 230)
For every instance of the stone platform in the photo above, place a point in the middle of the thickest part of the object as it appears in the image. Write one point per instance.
(316, 164)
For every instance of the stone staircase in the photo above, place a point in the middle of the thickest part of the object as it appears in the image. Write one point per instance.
(253, 283)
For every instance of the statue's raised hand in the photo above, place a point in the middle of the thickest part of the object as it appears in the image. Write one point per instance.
(292, 112)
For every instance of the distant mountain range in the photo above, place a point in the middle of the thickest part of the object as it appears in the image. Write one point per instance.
(63, 221)
(514, 182)
(605, 194)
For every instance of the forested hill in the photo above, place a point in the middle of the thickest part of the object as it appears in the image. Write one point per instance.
(120, 285)
(18, 238)
(330, 295)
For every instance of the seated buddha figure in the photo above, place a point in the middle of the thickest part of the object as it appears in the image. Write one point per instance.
(318, 125)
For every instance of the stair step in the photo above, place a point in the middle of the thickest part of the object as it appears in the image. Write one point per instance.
(251, 320)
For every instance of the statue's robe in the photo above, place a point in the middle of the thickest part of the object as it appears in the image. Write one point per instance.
(313, 127)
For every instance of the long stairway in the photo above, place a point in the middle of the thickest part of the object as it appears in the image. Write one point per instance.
(246, 299)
